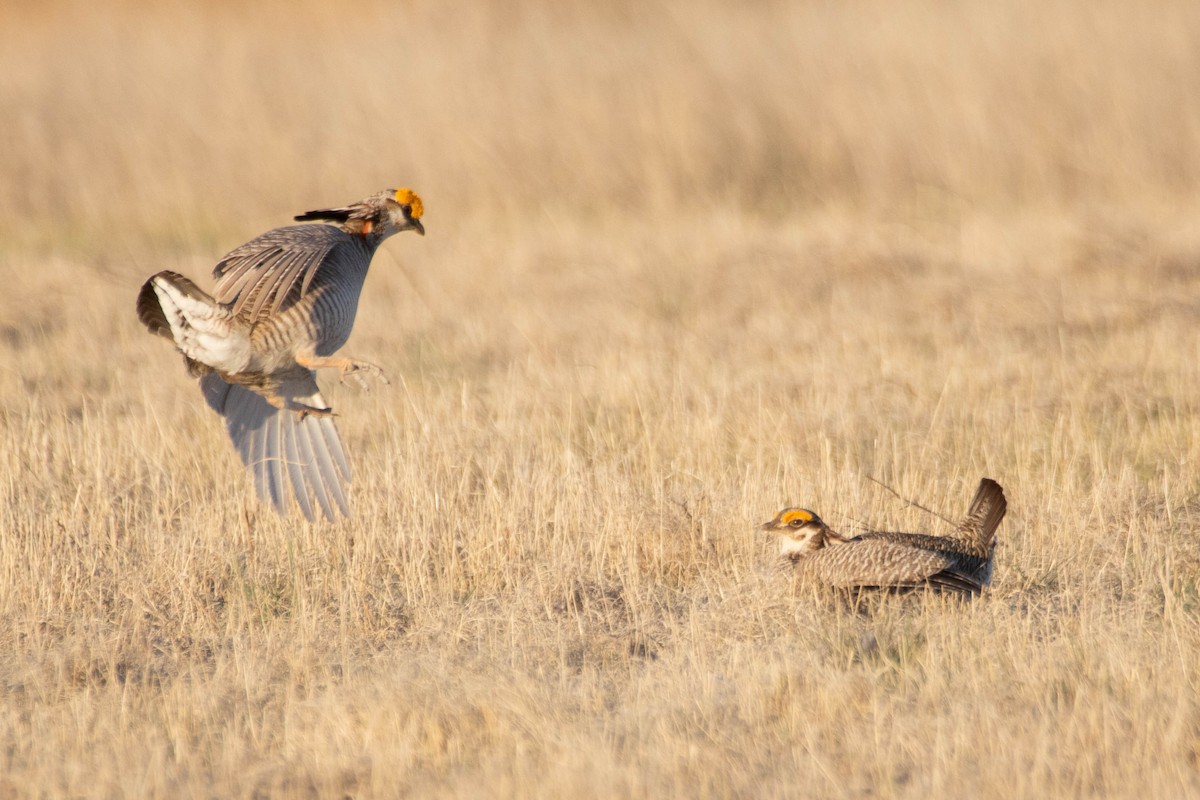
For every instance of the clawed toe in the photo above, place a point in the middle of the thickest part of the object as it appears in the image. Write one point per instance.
(303, 411)
(358, 370)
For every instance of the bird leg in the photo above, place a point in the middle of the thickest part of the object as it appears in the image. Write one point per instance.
(346, 367)
(302, 410)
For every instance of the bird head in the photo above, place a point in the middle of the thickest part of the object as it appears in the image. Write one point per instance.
(404, 209)
(378, 216)
(800, 531)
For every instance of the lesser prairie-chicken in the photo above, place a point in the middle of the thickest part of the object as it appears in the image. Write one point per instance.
(283, 304)
(960, 562)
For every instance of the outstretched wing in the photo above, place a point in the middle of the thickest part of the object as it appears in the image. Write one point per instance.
(273, 271)
(283, 450)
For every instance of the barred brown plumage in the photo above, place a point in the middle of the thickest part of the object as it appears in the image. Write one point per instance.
(960, 563)
(283, 304)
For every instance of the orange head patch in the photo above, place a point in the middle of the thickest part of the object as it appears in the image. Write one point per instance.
(794, 518)
(407, 197)
(794, 515)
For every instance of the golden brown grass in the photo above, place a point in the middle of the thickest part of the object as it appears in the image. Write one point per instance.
(687, 263)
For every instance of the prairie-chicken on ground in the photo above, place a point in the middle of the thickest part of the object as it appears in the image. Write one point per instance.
(960, 562)
(284, 303)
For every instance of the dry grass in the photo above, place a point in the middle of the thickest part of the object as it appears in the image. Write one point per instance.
(686, 264)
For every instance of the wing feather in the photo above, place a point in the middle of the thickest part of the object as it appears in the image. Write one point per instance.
(334, 443)
(259, 458)
(242, 275)
(876, 562)
(273, 463)
(324, 463)
(291, 270)
(281, 448)
(313, 475)
(295, 467)
(272, 271)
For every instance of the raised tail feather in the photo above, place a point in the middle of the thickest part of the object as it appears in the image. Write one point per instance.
(288, 455)
(150, 312)
(984, 516)
(206, 332)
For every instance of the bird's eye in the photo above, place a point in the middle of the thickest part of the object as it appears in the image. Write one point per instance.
(797, 523)
(407, 209)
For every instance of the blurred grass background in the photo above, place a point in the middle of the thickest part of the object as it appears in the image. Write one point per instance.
(144, 123)
(687, 263)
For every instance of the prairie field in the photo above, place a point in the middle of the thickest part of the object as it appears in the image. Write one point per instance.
(687, 263)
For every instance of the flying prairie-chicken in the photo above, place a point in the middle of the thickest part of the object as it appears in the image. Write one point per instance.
(960, 562)
(284, 303)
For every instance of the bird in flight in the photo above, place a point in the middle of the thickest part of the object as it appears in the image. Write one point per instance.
(283, 304)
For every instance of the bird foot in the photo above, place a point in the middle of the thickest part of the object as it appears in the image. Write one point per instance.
(303, 411)
(358, 370)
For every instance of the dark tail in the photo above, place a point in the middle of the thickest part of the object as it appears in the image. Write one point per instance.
(150, 312)
(955, 582)
(149, 307)
(984, 515)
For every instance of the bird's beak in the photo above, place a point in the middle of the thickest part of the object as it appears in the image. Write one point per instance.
(767, 526)
(417, 226)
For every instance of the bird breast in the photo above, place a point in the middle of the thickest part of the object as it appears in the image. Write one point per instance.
(320, 323)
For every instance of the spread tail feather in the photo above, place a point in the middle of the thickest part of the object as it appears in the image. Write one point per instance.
(206, 332)
(984, 516)
(284, 450)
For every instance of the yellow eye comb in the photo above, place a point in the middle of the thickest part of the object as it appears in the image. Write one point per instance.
(409, 198)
